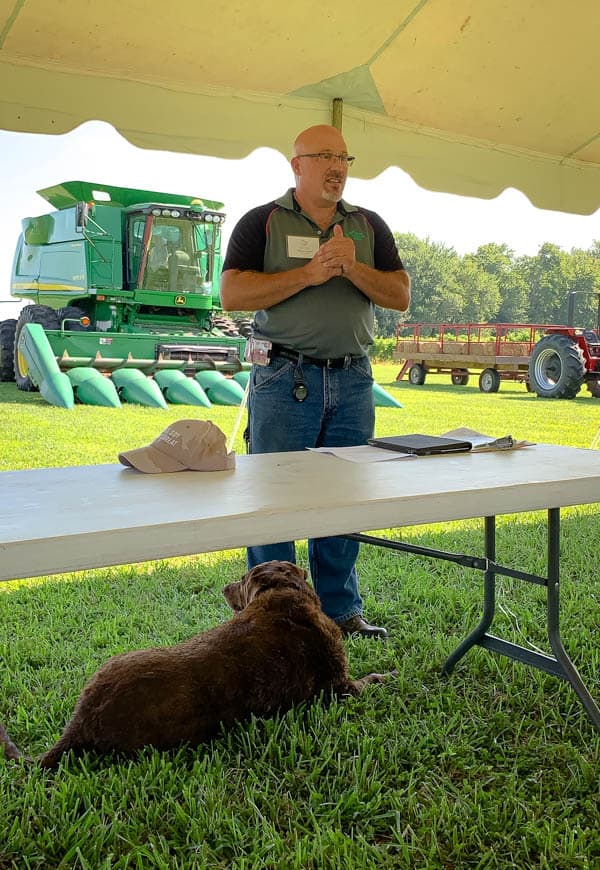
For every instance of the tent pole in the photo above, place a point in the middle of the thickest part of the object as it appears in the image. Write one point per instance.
(336, 113)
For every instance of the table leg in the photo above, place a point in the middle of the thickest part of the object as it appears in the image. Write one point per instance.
(489, 600)
(559, 664)
(569, 671)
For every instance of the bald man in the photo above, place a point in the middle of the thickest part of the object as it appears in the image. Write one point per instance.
(312, 267)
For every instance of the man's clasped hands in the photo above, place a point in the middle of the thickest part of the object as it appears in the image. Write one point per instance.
(334, 257)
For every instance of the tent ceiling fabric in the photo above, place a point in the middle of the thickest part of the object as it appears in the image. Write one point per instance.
(468, 96)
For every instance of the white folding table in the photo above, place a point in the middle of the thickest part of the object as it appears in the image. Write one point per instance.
(59, 520)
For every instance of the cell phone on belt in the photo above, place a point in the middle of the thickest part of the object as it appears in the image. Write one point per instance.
(258, 351)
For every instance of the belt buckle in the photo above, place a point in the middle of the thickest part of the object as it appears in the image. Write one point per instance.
(339, 362)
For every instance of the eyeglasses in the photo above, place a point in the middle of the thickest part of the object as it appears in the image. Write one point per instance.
(330, 157)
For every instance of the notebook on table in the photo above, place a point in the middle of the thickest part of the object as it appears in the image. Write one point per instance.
(421, 445)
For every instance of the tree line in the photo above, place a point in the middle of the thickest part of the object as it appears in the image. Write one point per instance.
(493, 285)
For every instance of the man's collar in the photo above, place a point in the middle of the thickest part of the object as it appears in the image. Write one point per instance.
(289, 202)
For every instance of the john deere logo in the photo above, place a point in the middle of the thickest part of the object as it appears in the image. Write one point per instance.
(356, 235)
(180, 300)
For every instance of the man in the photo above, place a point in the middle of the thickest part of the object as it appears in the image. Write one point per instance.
(158, 255)
(313, 267)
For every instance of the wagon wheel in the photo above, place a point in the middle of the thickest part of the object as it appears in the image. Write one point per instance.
(460, 377)
(416, 375)
(489, 381)
(593, 387)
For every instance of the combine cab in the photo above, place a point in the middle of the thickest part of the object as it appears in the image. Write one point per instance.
(125, 306)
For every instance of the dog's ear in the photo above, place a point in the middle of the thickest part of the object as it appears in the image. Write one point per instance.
(233, 596)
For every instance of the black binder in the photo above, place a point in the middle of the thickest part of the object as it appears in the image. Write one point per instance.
(421, 445)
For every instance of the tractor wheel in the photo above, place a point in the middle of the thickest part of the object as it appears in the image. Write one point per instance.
(7, 350)
(489, 381)
(416, 375)
(460, 378)
(46, 317)
(73, 315)
(593, 387)
(556, 367)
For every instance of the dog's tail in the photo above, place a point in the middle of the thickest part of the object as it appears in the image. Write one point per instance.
(10, 750)
(48, 759)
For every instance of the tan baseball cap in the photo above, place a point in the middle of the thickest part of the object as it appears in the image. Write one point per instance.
(186, 445)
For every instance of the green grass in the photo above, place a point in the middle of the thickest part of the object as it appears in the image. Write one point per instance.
(496, 767)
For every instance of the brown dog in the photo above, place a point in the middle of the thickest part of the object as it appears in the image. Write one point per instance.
(278, 650)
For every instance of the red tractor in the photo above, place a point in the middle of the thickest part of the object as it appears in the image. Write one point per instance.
(566, 358)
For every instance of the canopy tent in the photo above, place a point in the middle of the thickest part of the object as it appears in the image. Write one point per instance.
(468, 96)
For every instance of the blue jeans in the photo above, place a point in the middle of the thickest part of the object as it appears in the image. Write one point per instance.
(338, 411)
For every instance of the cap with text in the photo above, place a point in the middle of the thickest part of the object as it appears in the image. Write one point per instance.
(186, 445)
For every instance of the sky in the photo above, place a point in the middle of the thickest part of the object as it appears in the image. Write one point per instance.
(96, 152)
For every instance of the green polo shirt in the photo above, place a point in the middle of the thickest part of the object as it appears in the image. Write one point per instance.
(328, 320)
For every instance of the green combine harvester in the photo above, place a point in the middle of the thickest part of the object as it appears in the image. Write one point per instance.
(124, 286)
(125, 305)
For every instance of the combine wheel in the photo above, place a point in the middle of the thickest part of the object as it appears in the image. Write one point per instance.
(556, 367)
(489, 381)
(416, 375)
(460, 378)
(73, 315)
(8, 329)
(46, 317)
(244, 326)
(225, 325)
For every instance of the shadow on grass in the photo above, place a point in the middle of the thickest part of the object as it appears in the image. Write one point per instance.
(163, 602)
(497, 765)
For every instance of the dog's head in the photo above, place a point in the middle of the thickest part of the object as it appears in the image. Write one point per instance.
(268, 575)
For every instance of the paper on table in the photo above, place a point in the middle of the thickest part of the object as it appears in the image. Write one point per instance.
(363, 453)
(484, 443)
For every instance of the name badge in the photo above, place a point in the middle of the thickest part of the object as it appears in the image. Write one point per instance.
(302, 247)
